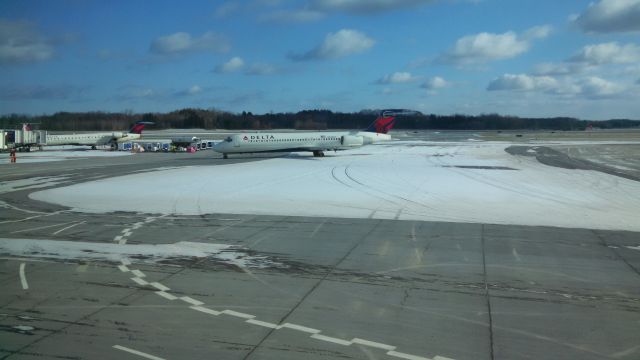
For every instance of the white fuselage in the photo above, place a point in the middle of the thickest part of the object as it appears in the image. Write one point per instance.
(92, 139)
(297, 141)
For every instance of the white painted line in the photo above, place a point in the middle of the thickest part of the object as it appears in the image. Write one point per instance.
(438, 357)
(125, 262)
(159, 286)
(373, 344)
(166, 295)
(262, 323)
(40, 227)
(23, 278)
(123, 268)
(138, 273)
(515, 254)
(68, 227)
(206, 310)
(406, 356)
(117, 238)
(238, 314)
(124, 231)
(136, 352)
(331, 339)
(126, 234)
(140, 281)
(191, 301)
(299, 328)
(122, 241)
(30, 217)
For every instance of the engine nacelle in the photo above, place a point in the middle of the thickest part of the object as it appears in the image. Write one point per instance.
(350, 140)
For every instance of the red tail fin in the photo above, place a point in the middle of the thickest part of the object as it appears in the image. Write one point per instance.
(138, 127)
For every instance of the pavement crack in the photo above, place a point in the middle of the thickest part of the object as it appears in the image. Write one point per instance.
(315, 286)
(486, 291)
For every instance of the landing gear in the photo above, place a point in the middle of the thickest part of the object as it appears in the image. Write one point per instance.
(93, 147)
(318, 154)
(225, 156)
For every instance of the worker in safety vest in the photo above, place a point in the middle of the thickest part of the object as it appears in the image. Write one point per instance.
(12, 155)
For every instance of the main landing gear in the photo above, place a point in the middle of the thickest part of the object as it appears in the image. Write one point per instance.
(225, 156)
(318, 154)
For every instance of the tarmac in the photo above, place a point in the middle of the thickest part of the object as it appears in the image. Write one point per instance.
(313, 288)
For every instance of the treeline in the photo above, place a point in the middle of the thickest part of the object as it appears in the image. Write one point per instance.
(303, 120)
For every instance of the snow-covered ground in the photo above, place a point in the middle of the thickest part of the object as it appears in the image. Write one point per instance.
(78, 250)
(60, 153)
(460, 182)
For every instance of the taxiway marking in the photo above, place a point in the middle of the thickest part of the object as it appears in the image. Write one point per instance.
(248, 318)
(40, 227)
(515, 254)
(136, 352)
(23, 278)
(68, 227)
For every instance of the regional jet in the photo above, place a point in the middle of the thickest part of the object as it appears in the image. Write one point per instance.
(95, 139)
(315, 142)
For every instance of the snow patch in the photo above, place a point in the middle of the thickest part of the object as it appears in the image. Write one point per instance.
(83, 251)
(31, 183)
(405, 180)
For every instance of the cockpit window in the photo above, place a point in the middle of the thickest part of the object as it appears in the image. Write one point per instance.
(228, 139)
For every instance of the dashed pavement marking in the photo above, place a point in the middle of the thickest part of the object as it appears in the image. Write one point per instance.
(331, 339)
(166, 295)
(159, 286)
(249, 319)
(136, 352)
(139, 274)
(140, 281)
(23, 277)
(191, 301)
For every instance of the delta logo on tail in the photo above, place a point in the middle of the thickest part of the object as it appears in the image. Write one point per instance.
(387, 119)
(139, 126)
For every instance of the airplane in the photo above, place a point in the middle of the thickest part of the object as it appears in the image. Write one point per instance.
(95, 139)
(316, 142)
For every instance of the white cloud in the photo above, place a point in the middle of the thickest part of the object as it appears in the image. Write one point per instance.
(538, 32)
(20, 42)
(592, 87)
(181, 42)
(261, 69)
(293, 16)
(226, 9)
(234, 64)
(191, 91)
(597, 87)
(608, 53)
(337, 45)
(484, 47)
(607, 16)
(364, 6)
(195, 89)
(522, 82)
(554, 69)
(397, 78)
(435, 83)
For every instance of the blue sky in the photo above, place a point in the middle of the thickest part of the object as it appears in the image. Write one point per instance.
(526, 58)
